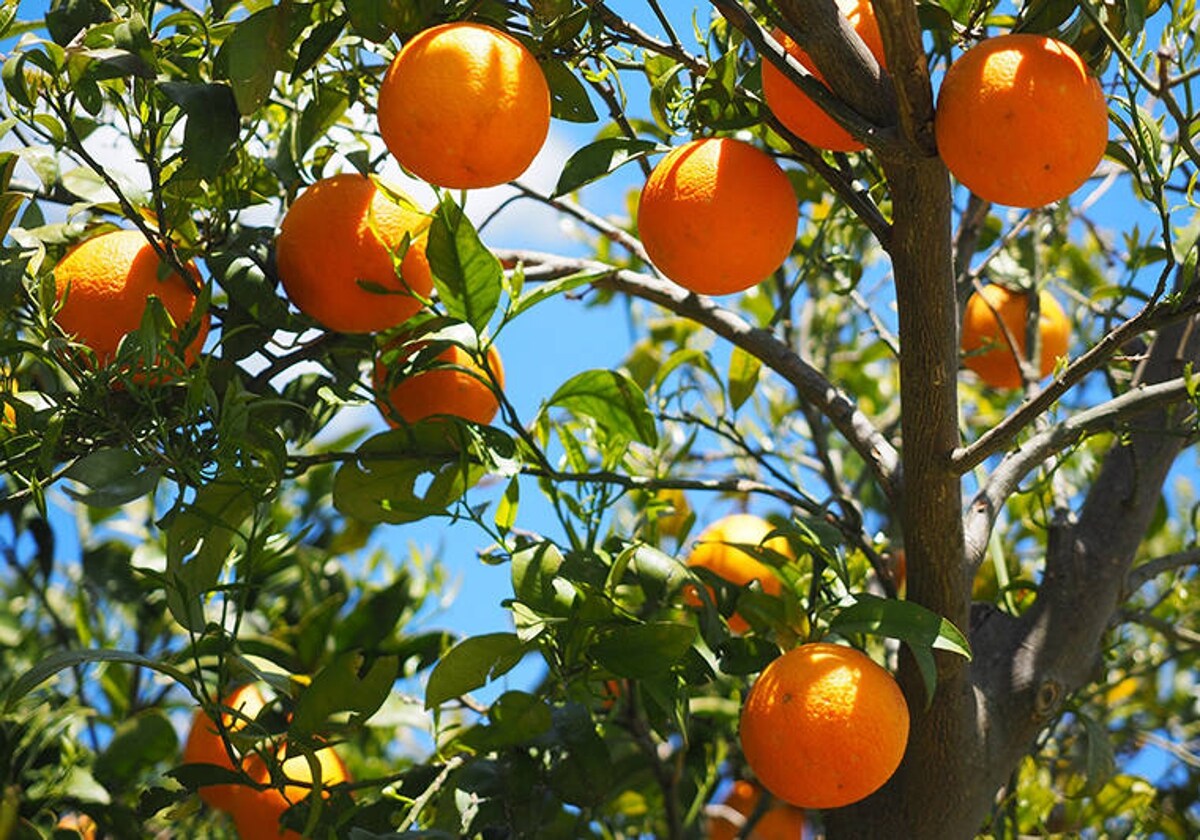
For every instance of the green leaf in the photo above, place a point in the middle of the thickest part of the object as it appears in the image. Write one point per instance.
(583, 772)
(506, 508)
(213, 124)
(467, 275)
(923, 630)
(253, 53)
(515, 718)
(137, 745)
(744, 369)
(67, 18)
(545, 291)
(114, 476)
(535, 576)
(612, 400)
(1099, 761)
(639, 651)
(60, 660)
(375, 617)
(405, 475)
(597, 159)
(199, 538)
(318, 42)
(568, 97)
(338, 687)
(470, 664)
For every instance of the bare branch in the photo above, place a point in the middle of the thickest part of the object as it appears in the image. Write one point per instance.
(992, 441)
(1139, 576)
(811, 385)
(909, 69)
(1003, 481)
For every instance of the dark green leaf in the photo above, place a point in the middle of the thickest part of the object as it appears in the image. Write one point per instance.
(923, 630)
(338, 687)
(568, 97)
(470, 664)
(597, 159)
(136, 746)
(114, 477)
(642, 650)
(213, 124)
(318, 42)
(253, 53)
(198, 541)
(67, 18)
(404, 475)
(612, 400)
(467, 275)
(515, 718)
(535, 575)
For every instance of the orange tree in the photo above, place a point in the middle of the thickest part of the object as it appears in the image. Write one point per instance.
(1022, 559)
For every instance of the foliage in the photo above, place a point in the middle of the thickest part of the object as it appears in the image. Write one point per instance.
(166, 538)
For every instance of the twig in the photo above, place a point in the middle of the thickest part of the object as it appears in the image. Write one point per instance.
(811, 385)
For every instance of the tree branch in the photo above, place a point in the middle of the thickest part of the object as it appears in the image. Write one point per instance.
(811, 385)
(1139, 576)
(1003, 481)
(907, 64)
(996, 438)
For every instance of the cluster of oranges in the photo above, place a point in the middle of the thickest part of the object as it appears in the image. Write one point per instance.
(816, 695)
(256, 811)
(1019, 121)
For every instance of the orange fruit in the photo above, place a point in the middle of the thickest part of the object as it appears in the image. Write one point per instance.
(464, 105)
(256, 813)
(341, 233)
(717, 216)
(778, 822)
(985, 345)
(824, 726)
(717, 550)
(1020, 120)
(204, 744)
(456, 386)
(794, 108)
(81, 824)
(104, 284)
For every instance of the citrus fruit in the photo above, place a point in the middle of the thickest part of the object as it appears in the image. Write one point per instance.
(717, 216)
(824, 726)
(718, 550)
(455, 386)
(1020, 120)
(256, 813)
(204, 744)
(335, 255)
(464, 105)
(779, 822)
(104, 284)
(81, 824)
(985, 346)
(802, 116)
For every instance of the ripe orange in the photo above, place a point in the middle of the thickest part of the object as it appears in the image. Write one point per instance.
(717, 216)
(204, 744)
(716, 550)
(456, 386)
(256, 813)
(824, 726)
(985, 346)
(106, 281)
(343, 232)
(778, 822)
(81, 824)
(464, 105)
(794, 108)
(1020, 120)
